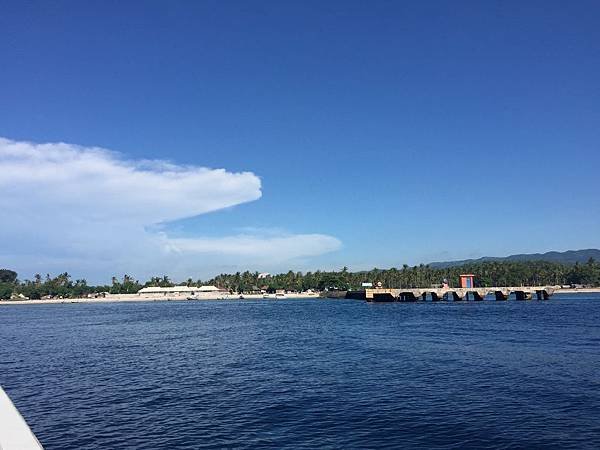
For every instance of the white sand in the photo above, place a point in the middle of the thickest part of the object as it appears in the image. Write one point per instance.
(113, 298)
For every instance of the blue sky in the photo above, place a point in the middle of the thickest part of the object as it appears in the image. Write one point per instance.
(382, 133)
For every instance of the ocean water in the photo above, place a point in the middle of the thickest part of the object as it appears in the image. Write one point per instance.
(306, 374)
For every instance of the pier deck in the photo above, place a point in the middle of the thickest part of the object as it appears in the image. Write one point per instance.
(457, 294)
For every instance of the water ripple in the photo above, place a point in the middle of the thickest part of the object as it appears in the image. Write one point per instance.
(306, 374)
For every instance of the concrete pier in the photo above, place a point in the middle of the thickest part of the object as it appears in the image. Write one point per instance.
(458, 294)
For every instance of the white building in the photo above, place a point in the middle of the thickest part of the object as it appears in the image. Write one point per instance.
(178, 290)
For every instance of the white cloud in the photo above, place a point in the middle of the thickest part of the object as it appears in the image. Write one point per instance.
(89, 211)
(264, 248)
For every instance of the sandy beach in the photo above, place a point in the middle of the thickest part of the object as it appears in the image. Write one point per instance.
(153, 298)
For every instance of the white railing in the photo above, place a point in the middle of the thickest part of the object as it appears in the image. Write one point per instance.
(14, 431)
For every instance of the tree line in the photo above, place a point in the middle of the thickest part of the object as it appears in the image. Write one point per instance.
(489, 273)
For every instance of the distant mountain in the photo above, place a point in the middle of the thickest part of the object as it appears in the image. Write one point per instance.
(568, 257)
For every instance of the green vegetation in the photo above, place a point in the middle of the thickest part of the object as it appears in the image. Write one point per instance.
(489, 273)
(569, 257)
(486, 274)
(8, 278)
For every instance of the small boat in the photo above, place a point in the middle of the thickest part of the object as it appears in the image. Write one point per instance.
(280, 296)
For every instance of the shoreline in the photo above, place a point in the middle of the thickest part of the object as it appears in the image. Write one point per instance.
(578, 291)
(129, 298)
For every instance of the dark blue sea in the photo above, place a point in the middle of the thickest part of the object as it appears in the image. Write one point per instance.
(306, 374)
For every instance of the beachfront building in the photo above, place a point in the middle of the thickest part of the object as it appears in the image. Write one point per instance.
(467, 280)
(179, 290)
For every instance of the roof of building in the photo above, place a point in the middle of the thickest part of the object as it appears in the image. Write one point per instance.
(208, 288)
(154, 289)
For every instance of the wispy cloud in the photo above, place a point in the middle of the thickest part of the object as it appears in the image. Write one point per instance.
(263, 248)
(91, 211)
